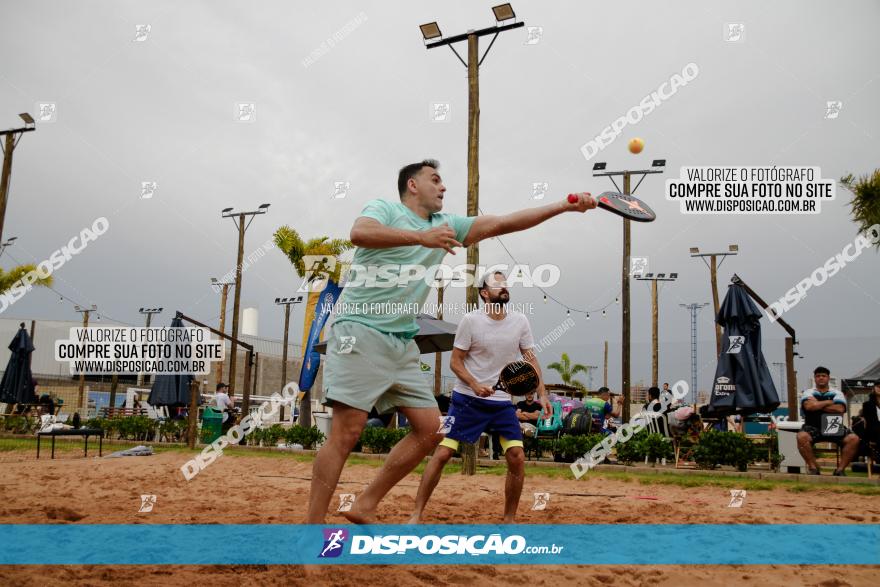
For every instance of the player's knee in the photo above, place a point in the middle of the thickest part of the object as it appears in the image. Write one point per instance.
(851, 439)
(347, 438)
(443, 454)
(803, 437)
(516, 457)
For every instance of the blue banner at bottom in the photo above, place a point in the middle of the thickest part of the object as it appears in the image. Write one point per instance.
(600, 544)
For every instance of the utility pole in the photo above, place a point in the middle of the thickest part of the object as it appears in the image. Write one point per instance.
(713, 266)
(12, 137)
(82, 376)
(222, 287)
(149, 314)
(693, 309)
(286, 302)
(438, 357)
(605, 377)
(238, 218)
(625, 272)
(655, 321)
(503, 13)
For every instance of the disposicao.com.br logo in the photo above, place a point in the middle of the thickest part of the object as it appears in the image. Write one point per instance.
(431, 544)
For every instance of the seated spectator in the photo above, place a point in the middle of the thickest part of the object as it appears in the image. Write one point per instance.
(47, 404)
(653, 407)
(867, 427)
(602, 411)
(528, 412)
(823, 409)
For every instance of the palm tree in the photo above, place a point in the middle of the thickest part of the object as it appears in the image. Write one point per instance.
(292, 244)
(866, 199)
(567, 371)
(9, 279)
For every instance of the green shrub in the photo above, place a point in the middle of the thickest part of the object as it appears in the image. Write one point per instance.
(174, 430)
(307, 437)
(18, 424)
(381, 440)
(725, 448)
(570, 448)
(656, 447)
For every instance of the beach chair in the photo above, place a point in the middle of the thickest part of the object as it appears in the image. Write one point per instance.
(547, 429)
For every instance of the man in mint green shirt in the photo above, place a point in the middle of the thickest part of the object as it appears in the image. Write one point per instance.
(372, 359)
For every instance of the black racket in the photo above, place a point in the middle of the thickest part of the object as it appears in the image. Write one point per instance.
(517, 378)
(623, 205)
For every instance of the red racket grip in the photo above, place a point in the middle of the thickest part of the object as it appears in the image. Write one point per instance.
(572, 198)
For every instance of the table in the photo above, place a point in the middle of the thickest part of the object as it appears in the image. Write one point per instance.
(85, 432)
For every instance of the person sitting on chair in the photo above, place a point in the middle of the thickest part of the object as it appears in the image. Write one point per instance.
(528, 412)
(868, 425)
(823, 411)
(602, 410)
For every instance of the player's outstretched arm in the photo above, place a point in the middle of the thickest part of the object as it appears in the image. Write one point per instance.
(372, 234)
(488, 226)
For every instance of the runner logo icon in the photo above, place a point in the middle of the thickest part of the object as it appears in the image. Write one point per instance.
(334, 538)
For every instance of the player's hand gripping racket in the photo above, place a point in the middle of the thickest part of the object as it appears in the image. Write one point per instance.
(517, 378)
(622, 205)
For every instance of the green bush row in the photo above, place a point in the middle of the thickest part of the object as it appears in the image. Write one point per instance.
(726, 448)
(643, 445)
(125, 427)
(570, 448)
(271, 436)
(19, 424)
(380, 440)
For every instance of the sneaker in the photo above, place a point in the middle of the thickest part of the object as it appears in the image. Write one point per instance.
(839, 474)
(813, 472)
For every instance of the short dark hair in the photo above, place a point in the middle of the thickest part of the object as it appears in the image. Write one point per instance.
(819, 370)
(604, 389)
(407, 172)
(221, 385)
(654, 392)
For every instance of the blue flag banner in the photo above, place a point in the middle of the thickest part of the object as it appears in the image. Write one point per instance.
(311, 357)
(527, 544)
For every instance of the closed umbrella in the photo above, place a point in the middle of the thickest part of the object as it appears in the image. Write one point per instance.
(17, 386)
(171, 390)
(742, 383)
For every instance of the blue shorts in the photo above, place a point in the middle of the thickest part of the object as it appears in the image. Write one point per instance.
(475, 415)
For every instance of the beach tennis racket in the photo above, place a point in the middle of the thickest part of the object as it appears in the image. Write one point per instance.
(623, 205)
(517, 378)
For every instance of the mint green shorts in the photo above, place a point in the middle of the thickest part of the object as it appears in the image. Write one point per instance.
(365, 368)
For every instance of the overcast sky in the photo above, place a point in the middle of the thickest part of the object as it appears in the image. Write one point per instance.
(163, 109)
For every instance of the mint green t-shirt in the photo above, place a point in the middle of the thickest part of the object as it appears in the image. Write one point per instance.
(364, 300)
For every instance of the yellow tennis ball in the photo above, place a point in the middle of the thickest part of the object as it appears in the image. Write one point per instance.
(636, 145)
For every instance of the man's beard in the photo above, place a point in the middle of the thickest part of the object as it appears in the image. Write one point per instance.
(498, 303)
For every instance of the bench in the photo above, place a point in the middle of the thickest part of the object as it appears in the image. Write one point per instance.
(84, 432)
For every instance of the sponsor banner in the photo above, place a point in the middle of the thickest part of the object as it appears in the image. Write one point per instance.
(528, 544)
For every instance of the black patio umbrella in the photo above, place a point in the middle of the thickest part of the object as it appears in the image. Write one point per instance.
(171, 390)
(742, 383)
(17, 386)
(435, 336)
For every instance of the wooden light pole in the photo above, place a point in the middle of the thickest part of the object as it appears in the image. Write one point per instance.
(655, 321)
(149, 313)
(239, 219)
(713, 276)
(82, 376)
(625, 272)
(430, 31)
(223, 288)
(286, 302)
(11, 141)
